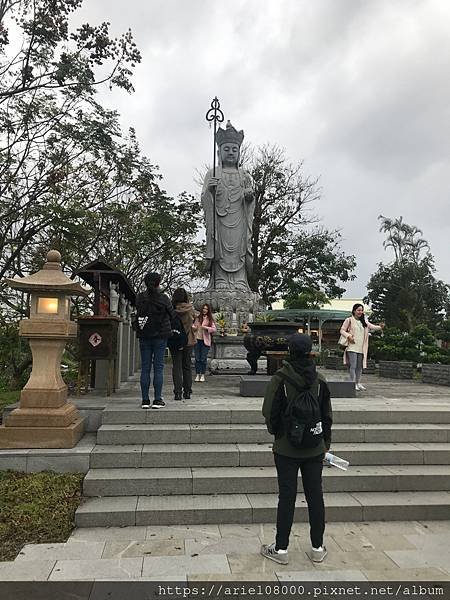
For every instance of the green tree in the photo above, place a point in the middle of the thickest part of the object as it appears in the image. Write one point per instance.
(69, 177)
(46, 55)
(310, 298)
(443, 333)
(405, 293)
(404, 239)
(15, 356)
(292, 254)
(56, 141)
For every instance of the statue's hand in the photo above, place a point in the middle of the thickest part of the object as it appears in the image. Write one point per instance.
(248, 194)
(213, 183)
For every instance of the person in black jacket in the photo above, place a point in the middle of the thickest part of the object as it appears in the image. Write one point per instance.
(155, 320)
(182, 354)
(300, 369)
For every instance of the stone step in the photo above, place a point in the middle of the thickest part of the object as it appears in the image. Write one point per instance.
(256, 385)
(259, 454)
(258, 508)
(259, 480)
(182, 433)
(233, 433)
(130, 413)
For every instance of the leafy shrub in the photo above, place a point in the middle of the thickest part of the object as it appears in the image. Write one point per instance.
(419, 345)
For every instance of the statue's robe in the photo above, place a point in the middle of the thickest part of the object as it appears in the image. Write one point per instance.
(233, 229)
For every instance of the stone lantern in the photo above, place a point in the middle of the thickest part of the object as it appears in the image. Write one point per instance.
(44, 418)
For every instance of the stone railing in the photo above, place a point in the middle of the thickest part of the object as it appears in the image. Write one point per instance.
(396, 369)
(437, 374)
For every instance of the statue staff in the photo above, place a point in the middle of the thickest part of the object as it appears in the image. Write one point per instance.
(215, 115)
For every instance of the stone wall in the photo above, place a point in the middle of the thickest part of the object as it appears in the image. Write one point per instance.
(334, 362)
(401, 369)
(437, 374)
(371, 367)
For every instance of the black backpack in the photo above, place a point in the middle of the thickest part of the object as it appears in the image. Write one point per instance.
(302, 418)
(179, 339)
(149, 316)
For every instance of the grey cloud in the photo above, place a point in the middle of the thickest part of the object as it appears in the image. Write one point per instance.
(357, 88)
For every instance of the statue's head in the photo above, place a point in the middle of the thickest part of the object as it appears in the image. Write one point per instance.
(229, 142)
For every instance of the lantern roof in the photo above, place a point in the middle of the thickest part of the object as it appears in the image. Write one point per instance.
(49, 279)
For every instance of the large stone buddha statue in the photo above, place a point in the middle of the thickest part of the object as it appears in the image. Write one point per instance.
(234, 205)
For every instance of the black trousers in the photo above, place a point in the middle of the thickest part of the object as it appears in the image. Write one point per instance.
(287, 473)
(181, 370)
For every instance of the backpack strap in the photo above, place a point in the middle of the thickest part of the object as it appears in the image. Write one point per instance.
(293, 382)
(296, 385)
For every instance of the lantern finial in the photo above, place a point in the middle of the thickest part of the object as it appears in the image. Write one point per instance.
(53, 260)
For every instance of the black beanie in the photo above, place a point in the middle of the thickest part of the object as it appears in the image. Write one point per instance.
(300, 344)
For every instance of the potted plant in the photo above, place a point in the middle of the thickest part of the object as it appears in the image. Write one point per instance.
(221, 323)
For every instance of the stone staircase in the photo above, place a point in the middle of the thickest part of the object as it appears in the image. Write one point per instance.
(191, 464)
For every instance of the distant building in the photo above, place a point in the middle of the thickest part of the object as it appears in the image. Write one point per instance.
(344, 304)
(323, 323)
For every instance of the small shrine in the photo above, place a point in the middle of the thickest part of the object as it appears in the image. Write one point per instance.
(108, 347)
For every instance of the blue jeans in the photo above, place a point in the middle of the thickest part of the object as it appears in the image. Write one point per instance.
(201, 354)
(152, 353)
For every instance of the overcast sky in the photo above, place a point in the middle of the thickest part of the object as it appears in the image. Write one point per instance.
(359, 90)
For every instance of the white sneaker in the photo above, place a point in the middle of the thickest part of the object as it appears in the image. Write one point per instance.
(357, 388)
(361, 387)
(318, 554)
(197, 377)
(278, 556)
(202, 378)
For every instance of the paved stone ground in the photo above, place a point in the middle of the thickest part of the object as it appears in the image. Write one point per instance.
(357, 551)
(396, 551)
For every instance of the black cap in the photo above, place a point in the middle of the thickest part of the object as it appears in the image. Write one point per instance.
(300, 344)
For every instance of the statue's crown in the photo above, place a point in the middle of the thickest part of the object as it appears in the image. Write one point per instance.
(229, 135)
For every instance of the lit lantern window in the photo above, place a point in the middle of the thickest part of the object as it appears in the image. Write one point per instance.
(47, 306)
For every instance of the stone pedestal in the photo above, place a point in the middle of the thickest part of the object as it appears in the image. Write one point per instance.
(236, 305)
(42, 437)
(44, 418)
(228, 355)
(228, 346)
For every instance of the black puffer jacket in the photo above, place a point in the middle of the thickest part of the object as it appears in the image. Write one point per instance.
(304, 374)
(158, 310)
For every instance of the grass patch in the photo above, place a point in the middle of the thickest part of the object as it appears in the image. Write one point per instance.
(36, 508)
(7, 398)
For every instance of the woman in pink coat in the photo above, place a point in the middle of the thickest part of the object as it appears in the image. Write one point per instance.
(204, 326)
(356, 329)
